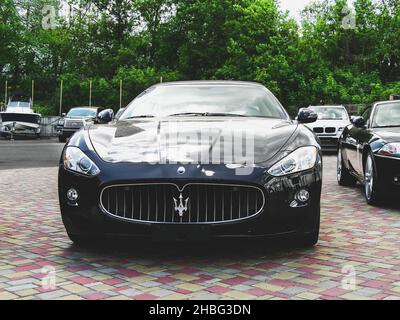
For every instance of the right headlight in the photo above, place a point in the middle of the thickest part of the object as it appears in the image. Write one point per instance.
(76, 160)
(61, 122)
(301, 159)
(390, 150)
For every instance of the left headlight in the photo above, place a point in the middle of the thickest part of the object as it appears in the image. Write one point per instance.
(301, 159)
(76, 160)
(61, 122)
(390, 150)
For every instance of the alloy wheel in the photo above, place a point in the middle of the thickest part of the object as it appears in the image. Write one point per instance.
(339, 165)
(369, 177)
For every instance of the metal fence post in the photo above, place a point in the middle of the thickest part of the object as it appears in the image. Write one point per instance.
(61, 94)
(90, 93)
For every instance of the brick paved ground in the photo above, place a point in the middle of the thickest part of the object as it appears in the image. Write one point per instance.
(355, 238)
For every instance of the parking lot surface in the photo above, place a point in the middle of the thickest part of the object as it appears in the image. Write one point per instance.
(358, 256)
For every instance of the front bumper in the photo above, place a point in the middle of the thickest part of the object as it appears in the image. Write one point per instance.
(277, 218)
(328, 143)
(388, 174)
(66, 132)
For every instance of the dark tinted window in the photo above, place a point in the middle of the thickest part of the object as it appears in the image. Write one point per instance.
(367, 114)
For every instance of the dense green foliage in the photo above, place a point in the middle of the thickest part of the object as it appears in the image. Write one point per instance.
(140, 41)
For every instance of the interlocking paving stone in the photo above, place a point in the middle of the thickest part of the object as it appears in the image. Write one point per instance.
(354, 236)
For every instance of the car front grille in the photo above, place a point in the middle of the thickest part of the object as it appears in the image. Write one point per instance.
(73, 124)
(330, 130)
(318, 130)
(192, 204)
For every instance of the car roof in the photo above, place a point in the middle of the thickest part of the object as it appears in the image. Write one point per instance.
(83, 107)
(210, 82)
(332, 106)
(386, 102)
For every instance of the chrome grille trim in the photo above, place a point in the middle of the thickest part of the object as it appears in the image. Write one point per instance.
(225, 215)
(73, 123)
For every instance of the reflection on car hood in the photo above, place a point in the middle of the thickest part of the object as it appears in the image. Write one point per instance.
(389, 134)
(191, 140)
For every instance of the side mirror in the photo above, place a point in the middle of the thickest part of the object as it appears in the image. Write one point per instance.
(105, 116)
(358, 122)
(63, 114)
(306, 116)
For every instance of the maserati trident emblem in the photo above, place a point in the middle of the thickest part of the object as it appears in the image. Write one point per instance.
(181, 208)
(181, 170)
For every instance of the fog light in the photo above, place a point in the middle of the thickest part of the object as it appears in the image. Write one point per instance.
(72, 195)
(302, 195)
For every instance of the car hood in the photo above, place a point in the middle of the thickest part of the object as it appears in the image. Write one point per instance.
(191, 140)
(388, 134)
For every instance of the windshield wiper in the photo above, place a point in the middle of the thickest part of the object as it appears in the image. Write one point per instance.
(206, 114)
(392, 126)
(141, 116)
(221, 114)
(187, 114)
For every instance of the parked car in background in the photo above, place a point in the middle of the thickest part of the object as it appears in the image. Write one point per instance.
(369, 151)
(76, 119)
(330, 124)
(141, 176)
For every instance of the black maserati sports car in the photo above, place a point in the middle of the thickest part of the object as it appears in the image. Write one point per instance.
(194, 161)
(369, 151)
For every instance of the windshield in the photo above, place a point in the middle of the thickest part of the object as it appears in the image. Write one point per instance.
(163, 101)
(387, 115)
(18, 104)
(330, 113)
(82, 112)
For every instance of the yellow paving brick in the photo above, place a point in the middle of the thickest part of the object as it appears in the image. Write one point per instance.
(396, 289)
(70, 297)
(75, 288)
(239, 295)
(307, 281)
(27, 292)
(21, 262)
(101, 287)
(223, 276)
(141, 279)
(308, 295)
(286, 275)
(269, 287)
(175, 296)
(328, 273)
(101, 277)
(118, 298)
(320, 267)
(352, 296)
(7, 296)
(19, 275)
(184, 277)
(190, 287)
(380, 265)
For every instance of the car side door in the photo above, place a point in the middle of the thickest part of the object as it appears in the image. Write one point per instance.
(352, 142)
(362, 136)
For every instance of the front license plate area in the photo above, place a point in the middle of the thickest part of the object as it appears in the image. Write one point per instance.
(181, 233)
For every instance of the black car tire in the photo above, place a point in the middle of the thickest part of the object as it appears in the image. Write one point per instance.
(62, 138)
(343, 174)
(372, 192)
